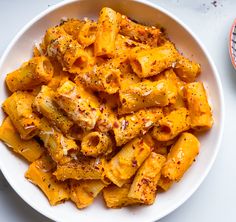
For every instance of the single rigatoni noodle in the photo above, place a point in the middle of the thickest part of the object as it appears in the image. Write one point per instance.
(19, 108)
(181, 156)
(36, 71)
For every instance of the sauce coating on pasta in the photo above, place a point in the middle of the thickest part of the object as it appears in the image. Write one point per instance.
(108, 106)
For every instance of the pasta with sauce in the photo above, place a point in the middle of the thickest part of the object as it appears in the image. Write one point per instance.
(108, 106)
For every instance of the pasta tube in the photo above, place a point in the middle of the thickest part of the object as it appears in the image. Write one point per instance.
(81, 169)
(44, 103)
(106, 119)
(81, 106)
(95, 144)
(83, 193)
(172, 125)
(164, 183)
(29, 149)
(169, 74)
(187, 70)
(163, 147)
(150, 62)
(138, 123)
(117, 197)
(104, 78)
(163, 150)
(111, 100)
(107, 30)
(40, 174)
(66, 50)
(140, 33)
(36, 71)
(128, 79)
(200, 110)
(59, 76)
(147, 94)
(57, 145)
(124, 164)
(72, 27)
(84, 31)
(18, 107)
(58, 80)
(76, 133)
(181, 156)
(87, 33)
(125, 45)
(145, 182)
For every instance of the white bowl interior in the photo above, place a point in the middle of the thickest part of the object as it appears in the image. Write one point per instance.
(21, 49)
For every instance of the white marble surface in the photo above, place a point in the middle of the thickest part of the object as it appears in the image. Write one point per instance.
(215, 199)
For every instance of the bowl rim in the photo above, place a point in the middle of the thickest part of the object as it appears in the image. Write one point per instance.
(178, 203)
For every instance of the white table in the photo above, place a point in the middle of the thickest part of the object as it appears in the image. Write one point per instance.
(215, 199)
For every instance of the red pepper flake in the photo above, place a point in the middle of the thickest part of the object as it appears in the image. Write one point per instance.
(115, 125)
(141, 142)
(145, 181)
(142, 149)
(102, 107)
(134, 163)
(130, 44)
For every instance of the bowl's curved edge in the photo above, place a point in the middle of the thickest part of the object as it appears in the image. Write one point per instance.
(187, 196)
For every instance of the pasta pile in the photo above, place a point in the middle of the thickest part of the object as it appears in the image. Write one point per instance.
(108, 106)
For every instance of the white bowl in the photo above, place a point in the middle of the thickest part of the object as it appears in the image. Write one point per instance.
(20, 50)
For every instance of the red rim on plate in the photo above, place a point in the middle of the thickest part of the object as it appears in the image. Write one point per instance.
(232, 44)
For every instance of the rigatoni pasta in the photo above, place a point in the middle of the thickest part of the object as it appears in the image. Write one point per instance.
(36, 71)
(81, 169)
(84, 31)
(66, 50)
(87, 33)
(117, 197)
(187, 70)
(107, 30)
(150, 62)
(140, 33)
(29, 149)
(105, 106)
(96, 143)
(170, 75)
(44, 103)
(76, 102)
(136, 124)
(82, 193)
(164, 183)
(181, 156)
(172, 124)
(105, 78)
(56, 143)
(40, 174)
(107, 117)
(147, 94)
(143, 188)
(72, 27)
(19, 109)
(200, 110)
(124, 164)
